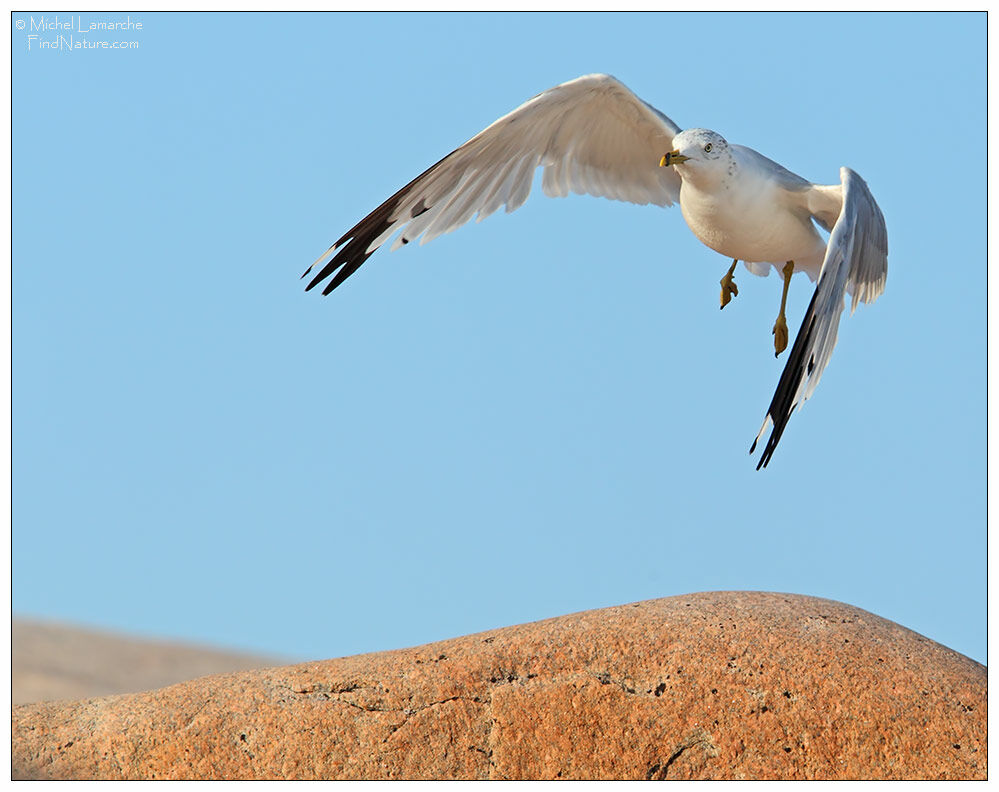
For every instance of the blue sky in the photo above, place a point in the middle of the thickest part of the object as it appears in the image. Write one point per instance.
(536, 415)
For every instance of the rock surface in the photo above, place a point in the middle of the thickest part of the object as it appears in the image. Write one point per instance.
(56, 661)
(713, 685)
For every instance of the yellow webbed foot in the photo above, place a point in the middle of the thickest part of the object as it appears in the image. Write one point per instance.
(780, 335)
(728, 287)
(780, 326)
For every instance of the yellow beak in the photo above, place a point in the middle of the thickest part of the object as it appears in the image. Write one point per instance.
(672, 158)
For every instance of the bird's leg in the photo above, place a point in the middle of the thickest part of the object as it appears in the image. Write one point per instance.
(729, 289)
(780, 326)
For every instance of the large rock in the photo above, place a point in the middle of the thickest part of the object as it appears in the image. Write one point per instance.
(715, 685)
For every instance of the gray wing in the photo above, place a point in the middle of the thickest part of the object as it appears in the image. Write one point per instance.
(591, 135)
(856, 260)
(790, 181)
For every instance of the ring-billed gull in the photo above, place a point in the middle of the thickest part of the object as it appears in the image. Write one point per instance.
(592, 135)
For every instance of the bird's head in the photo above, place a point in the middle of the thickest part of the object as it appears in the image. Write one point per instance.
(696, 152)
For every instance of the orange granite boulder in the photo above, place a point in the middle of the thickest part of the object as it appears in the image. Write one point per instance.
(714, 685)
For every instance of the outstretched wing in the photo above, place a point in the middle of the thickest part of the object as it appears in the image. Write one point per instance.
(856, 260)
(592, 135)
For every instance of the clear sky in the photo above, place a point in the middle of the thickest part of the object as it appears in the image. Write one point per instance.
(536, 415)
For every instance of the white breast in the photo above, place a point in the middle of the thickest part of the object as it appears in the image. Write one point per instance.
(751, 219)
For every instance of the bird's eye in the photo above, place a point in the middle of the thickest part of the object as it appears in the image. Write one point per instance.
(707, 147)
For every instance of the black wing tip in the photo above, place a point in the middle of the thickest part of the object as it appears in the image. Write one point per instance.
(771, 445)
(768, 453)
(328, 269)
(351, 251)
(352, 248)
(782, 405)
(779, 420)
(347, 266)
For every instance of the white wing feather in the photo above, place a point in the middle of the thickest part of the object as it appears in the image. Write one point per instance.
(856, 260)
(591, 135)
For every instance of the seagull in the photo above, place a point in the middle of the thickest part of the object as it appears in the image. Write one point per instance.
(592, 135)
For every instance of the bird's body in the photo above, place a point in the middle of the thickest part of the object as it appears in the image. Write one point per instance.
(764, 221)
(592, 135)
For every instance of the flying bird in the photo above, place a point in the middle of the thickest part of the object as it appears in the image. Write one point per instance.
(592, 135)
